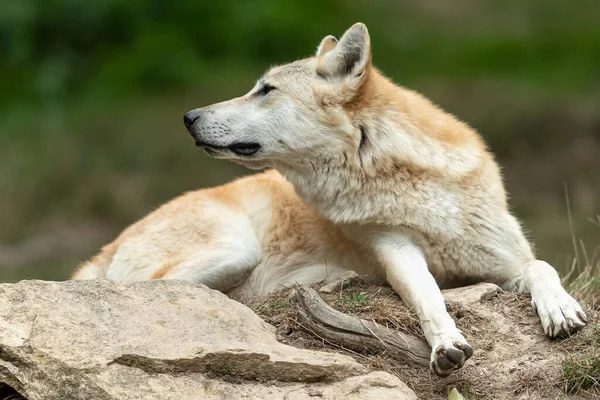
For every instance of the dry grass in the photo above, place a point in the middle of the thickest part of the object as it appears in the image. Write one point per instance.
(374, 303)
(355, 297)
(581, 369)
(583, 278)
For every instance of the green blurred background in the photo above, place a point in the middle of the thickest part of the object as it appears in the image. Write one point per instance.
(92, 95)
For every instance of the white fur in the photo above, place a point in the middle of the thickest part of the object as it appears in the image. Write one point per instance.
(558, 311)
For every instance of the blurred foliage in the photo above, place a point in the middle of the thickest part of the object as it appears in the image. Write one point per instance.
(92, 94)
(54, 49)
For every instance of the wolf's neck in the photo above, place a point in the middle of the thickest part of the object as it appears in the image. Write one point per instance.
(411, 155)
(396, 178)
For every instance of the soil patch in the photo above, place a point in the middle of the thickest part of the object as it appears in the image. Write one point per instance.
(512, 356)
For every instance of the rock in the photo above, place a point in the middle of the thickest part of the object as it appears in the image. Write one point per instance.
(161, 340)
(374, 386)
(345, 278)
(472, 294)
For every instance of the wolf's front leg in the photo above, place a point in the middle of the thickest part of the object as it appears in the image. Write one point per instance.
(559, 313)
(406, 271)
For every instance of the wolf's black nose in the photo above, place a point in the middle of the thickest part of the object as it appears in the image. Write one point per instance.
(189, 118)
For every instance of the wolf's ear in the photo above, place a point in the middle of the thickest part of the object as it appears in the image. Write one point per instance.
(350, 57)
(327, 44)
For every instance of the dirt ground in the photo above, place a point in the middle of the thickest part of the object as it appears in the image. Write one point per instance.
(512, 357)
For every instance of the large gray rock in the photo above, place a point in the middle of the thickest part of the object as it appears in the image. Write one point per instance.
(161, 340)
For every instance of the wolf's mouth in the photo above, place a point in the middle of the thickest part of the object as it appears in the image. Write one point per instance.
(244, 149)
(240, 149)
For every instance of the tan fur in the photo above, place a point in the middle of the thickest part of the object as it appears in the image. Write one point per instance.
(377, 179)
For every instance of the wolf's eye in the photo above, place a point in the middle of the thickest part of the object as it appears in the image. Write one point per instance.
(265, 89)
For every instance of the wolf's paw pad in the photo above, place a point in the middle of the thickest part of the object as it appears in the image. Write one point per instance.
(450, 356)
(559, 313)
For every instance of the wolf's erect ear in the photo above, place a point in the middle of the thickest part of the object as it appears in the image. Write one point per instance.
(350, 57)
(327, 44)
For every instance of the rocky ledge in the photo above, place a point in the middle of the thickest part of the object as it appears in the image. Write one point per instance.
(162, 340)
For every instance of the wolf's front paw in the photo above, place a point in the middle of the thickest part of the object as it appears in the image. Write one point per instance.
(560, 314)
(450, 354)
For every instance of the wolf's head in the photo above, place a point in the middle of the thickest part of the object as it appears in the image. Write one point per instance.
(296, 113)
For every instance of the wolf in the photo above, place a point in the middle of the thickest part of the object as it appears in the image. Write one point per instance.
(363, 175)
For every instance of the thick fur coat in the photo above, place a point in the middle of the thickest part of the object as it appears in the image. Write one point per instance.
(367, 176)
